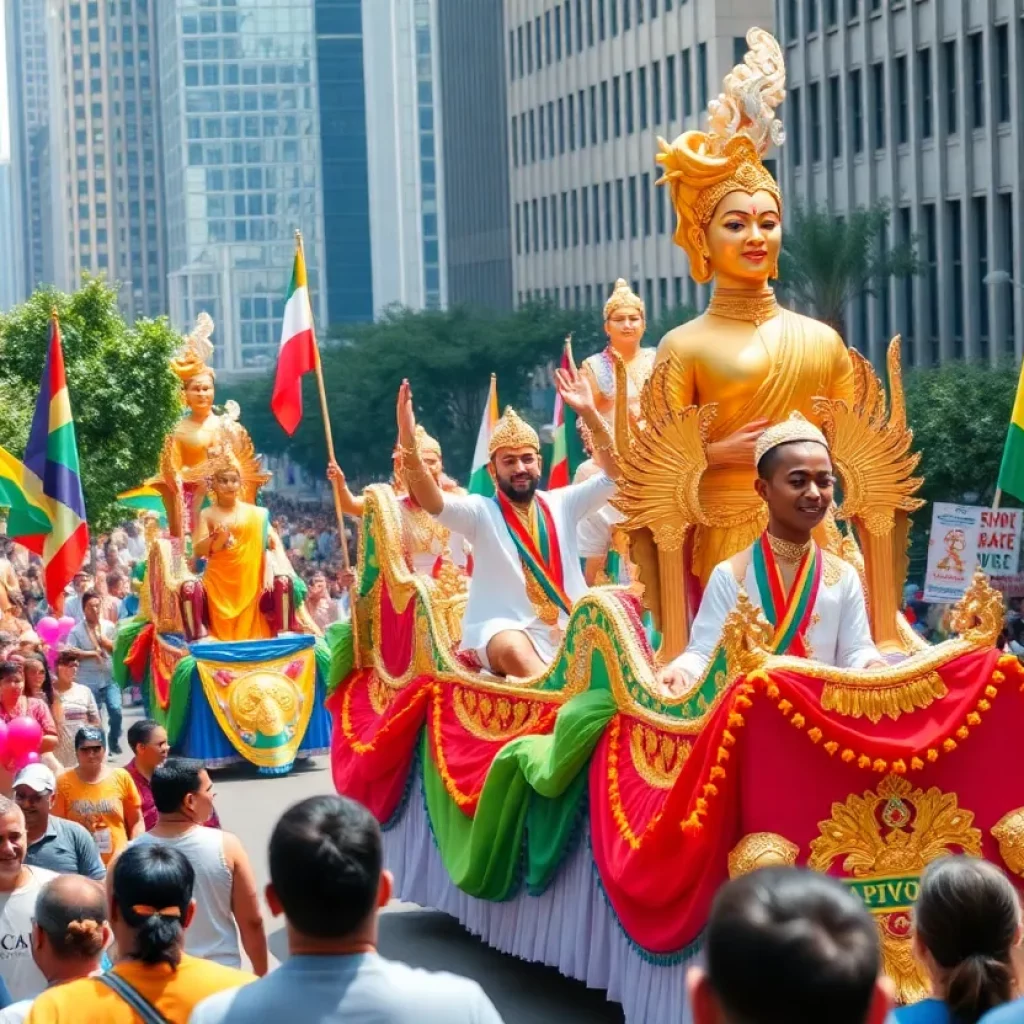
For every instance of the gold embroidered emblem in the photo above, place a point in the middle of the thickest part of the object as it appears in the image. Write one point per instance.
(870, 697)
(886, 838)
(1008, 832)
(761, 850)
(657, 757)
(494, 718)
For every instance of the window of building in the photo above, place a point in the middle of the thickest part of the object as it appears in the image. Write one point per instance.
(702, 75)
(686, 76)
(634, 225)
(627, 99)
(593, 116)
(1002, 62)
(979, 215)
(585, 214)
(604, 111)
(954, 234)
(519, 50)
(617, 106)
(522, 140)
(794, 121)
(656, 92)
(529, 51)
(613, 12)
(641, 89)
(541, 132)
(792, 21)
(976, 71)
(852, 10)
(1004, 221)
(814, 101)
(931, 272)
(515, 142)
(620, 209)
(645, 202)
(878, 99)
(561, 125)
(626, 4)
(902, 101)
(660, 201)
(537, 42)
(909, 320)
(547, 37)
(519, 231)
(571, 101)
(831, 13)
(924, 89)
(590, 23)
(595, 198)
(558, 33)
(811, 16)
(551, 128)
(565, 220)
(949, 73)
(739, 49)
(608, 211)
(544, 225)
(601, 20)
(835, 118)
(670, 88)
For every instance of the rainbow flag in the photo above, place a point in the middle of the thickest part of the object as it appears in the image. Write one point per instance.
(21, 493)
(143, 499)
(51, 456)
(1011, 470)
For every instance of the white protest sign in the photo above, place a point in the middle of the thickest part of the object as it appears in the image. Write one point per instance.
(952, 551)
(999, 541)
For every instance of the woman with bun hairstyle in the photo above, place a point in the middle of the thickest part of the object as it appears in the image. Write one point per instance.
(967, 921)
(150, 907)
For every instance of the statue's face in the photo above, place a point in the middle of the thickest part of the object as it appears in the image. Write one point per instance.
(199, 393)
(226, 484)
(744, 237)
(625, 327)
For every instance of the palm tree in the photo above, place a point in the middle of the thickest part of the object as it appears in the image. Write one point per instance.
(828, 260)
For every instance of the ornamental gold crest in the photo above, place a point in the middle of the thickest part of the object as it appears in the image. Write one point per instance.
(886, 838)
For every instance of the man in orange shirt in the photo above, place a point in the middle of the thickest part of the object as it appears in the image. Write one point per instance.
(151, 906)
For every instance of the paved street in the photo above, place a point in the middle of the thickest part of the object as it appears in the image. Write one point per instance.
(524, 993)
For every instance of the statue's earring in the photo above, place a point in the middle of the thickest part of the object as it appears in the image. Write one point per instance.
(774, 272)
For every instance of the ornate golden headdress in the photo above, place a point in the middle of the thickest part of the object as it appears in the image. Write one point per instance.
(224, 460)
(622, 295)
(512, 432)
(192, 357)
(426, 443)
(701, 168)
(796, 428)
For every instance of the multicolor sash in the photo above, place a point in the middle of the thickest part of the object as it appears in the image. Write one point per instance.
(789, 615)
(540, 553)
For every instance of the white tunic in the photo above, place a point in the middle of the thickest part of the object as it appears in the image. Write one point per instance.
(497, 589)
(839, 633)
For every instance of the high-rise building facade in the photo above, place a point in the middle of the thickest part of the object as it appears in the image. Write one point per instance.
(474, 106)
(348, 265)
(12, 277)
(592, 83)
(104, 143)
(241, 132)
(917, 104)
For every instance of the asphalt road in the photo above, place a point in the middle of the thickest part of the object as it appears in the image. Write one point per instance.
(525, 993)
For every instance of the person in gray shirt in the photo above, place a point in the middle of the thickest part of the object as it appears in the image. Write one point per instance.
(327, 878)
(53, 843)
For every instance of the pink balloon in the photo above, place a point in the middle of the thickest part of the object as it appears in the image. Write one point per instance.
(48, 629)
(24, 735)
(66, 624)
(25, 760)
(3, 740)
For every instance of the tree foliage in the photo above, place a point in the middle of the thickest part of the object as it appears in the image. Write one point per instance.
(827, 260)
(124, 397)
(448, 356)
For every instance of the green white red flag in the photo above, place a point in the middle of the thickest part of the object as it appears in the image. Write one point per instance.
(480, 481)
(559, 475)
(298, 353)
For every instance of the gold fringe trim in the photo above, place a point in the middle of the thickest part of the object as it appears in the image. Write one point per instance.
(872, 702)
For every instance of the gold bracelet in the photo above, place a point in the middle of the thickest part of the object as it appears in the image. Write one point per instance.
(410, 453)
(602, 440)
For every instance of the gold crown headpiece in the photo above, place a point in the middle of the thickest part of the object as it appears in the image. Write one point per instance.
(796, 428)
(224, 459)
(193, 357)
(623, 296)
(701, 168)
(512, 431)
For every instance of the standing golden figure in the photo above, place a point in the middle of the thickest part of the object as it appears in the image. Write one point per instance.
(746, 363)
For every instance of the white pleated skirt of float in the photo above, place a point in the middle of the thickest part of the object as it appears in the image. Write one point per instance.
(569, 927)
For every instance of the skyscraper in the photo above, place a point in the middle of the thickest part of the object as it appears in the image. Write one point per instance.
(592, 83)
(243, 166)
(348, 266)
(107, 189)
(12, 280)
(474, 106)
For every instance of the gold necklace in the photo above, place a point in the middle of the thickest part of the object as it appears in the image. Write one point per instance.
(756, 308)
(787, 551)
(422, 529)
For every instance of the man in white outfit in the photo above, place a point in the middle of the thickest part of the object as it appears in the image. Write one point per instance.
(526, 558)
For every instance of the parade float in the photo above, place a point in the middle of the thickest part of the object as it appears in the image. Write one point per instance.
(585, 819)
(226, 657)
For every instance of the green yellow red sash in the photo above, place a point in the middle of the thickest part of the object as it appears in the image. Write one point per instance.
(790, 615)
(540, 554)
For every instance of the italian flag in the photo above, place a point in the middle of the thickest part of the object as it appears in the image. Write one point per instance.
(298, 354)
(1011, 471)
(480, 481)
(559, 474)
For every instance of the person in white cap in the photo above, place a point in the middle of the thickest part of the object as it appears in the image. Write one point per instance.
(812, 599)
(53, 843)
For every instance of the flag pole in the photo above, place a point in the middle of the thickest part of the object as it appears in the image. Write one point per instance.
(997, 499)
(329, 437)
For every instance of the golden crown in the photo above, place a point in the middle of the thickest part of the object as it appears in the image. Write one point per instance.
(796, 428)
(623, 296)
(512, 431)
(193, 357)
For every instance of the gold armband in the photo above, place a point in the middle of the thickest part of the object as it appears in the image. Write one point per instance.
(602, 438)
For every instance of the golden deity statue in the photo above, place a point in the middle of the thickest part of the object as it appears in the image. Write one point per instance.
(625, 320)
(200, 435)
(745, 364)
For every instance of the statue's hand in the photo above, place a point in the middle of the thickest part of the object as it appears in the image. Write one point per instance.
(737, 449)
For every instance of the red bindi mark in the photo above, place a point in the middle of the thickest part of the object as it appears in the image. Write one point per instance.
(753, 211)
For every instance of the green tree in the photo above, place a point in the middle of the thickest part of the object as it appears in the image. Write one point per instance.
(828, 260)
(123, 395)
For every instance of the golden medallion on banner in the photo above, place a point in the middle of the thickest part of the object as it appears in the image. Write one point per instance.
(886, 838)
